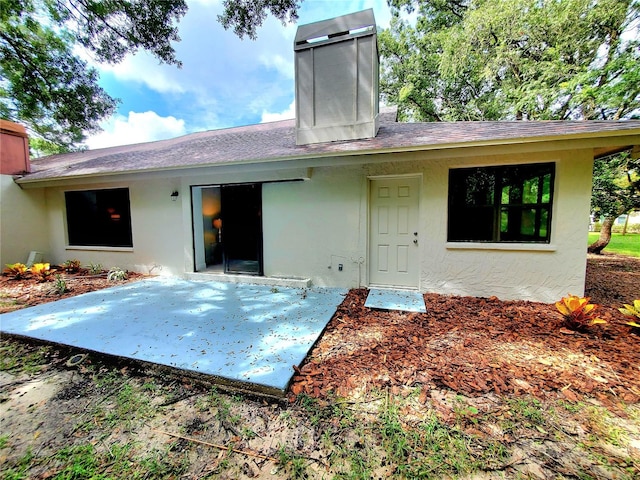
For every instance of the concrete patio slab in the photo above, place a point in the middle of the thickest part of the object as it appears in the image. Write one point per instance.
(252, 334)
(404, 300)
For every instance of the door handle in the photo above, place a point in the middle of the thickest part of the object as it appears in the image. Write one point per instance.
(415, 241)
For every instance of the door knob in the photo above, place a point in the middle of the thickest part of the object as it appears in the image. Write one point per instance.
(415, 241)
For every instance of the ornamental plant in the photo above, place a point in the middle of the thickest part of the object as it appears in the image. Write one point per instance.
(72, 266)
(41, 270)
(578, 313)
(16, 270)
(632, 312)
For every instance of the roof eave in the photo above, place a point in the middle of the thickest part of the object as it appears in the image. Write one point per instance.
(607, 142)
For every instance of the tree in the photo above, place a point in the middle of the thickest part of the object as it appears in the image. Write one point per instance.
(245, 16)
(616, 191)
(43, 82)
(523, 59)
(518, 60)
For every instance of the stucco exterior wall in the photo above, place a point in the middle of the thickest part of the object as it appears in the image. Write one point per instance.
(156, 223)
(312, 226)
(22, 222)
(510, 271)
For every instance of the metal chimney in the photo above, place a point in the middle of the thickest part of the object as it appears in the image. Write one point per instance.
(337, 68)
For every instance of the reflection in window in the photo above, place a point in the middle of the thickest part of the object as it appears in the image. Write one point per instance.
(99, 218)
(509, 203)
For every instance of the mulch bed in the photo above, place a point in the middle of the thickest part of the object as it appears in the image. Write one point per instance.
(478, 345)
(29, 291)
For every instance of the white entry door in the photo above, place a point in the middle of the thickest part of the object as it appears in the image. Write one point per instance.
(393, 238)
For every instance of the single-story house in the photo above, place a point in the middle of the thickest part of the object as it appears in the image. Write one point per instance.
(342, 195)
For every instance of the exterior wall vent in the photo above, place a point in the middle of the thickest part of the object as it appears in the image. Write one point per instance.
(337, 68)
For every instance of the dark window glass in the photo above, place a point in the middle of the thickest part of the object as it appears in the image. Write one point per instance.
(99, 218)
(510, 203)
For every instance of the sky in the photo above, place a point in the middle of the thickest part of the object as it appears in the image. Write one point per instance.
(224, 81)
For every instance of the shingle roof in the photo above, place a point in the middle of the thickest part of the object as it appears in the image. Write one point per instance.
(276, 141)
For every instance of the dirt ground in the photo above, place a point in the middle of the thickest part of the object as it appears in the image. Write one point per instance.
(508, 390)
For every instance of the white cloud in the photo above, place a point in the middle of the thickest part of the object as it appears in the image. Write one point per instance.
(290, 112)
(224, 81)
(136, 128)
(145, 69)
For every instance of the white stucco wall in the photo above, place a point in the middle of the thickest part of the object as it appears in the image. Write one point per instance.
(522, 271)
(156, 220)
(310, 227)
(22, 222)
(317, 224)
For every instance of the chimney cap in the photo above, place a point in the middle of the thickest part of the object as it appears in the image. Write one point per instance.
(12, 128)
(354, 24)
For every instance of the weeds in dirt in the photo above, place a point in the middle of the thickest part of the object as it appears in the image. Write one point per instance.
(291, 463)
(20, 359)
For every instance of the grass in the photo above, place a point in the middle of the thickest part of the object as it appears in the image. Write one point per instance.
(381, 435)
(628, 244)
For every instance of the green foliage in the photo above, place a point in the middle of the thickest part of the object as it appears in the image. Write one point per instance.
(16, 270)
(71, 266)
(116, 274)
(616, 185)
(522, 59)
(95, 268)
(43, 82)
(59, 285)
(245, 16)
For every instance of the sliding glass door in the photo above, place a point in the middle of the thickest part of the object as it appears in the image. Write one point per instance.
(241, 232)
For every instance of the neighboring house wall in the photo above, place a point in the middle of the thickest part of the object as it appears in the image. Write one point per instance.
(23, 226)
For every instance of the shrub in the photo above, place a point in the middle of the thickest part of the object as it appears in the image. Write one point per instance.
(116, 274)
(95, 268)
(16, 270)
(578, 313)
(42, 271)
(71, 266)
(632, 312)
(59, 286)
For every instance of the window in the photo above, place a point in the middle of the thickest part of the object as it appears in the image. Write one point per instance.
(510, 203)
(99, 218)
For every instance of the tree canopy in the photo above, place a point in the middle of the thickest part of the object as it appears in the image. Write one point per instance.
(522, 59)
(46, 86)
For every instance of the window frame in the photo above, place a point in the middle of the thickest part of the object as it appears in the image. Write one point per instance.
(98, 218)
(490, 210)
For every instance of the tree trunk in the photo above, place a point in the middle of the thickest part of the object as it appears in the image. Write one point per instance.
(605, 237)
(626, 224)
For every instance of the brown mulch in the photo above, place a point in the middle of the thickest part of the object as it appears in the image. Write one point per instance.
(29, 291)
(481, 345)
(472, 345)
